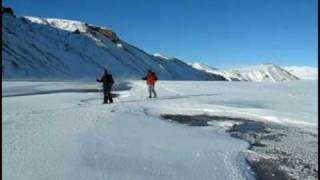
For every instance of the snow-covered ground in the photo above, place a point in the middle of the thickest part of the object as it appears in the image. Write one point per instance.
(51, 131)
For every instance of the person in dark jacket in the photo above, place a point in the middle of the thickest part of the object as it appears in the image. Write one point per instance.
(107, 81)
(151, 78)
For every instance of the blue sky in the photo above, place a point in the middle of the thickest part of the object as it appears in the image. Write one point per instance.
(221, 33)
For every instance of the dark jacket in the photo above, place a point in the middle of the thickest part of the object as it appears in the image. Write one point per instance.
(107, 81)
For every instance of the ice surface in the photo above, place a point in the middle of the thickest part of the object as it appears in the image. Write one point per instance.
(73, 136)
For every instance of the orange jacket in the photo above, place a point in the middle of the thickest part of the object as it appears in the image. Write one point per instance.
(151, 78)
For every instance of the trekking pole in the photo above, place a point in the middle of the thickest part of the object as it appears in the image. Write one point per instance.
(141, 91)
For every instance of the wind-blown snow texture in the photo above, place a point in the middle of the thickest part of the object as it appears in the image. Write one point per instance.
(38, 48)
(73, 136)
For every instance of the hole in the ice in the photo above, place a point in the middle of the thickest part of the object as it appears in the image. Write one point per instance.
(254, 132)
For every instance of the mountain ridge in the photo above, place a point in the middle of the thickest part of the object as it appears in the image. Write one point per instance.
(51, 48)
(258, 73)
(303, 72)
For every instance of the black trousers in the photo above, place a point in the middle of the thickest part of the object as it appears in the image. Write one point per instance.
(107, 96)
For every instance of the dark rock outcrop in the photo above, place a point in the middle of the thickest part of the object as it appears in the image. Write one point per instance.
(106, 32)
(7, 10)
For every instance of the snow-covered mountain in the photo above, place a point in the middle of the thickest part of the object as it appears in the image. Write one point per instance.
(216, 71)
(161, 56)
(303, 72)
(39, 48)
(263, 72)
(203, 66)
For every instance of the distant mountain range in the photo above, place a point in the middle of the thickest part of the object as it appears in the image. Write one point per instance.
(303, 72)
(262, 72)
(42, 48)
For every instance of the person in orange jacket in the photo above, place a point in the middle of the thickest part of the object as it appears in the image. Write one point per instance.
(151, 78)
